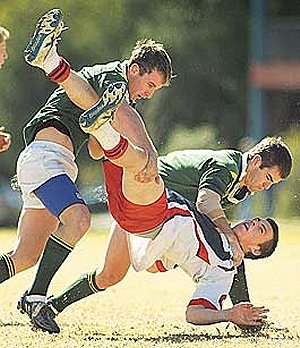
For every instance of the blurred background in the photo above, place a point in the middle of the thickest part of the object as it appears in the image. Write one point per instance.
(238, 79)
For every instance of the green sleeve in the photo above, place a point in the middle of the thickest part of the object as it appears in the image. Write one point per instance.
(217, 179)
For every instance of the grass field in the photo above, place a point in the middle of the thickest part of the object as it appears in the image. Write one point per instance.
(147, 310)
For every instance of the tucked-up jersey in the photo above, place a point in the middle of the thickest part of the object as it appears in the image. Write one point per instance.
(190, 170)
(191, 242)
(60, 112)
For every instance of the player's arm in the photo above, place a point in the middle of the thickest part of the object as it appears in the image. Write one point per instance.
(162, 265)
(241, 314)
(209, 202)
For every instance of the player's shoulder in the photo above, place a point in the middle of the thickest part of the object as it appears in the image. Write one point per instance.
(110, 68)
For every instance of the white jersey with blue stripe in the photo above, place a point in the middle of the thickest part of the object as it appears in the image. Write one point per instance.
(189, 240)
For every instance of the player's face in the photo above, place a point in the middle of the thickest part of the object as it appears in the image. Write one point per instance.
(252, 233)
(259, 179)
(145, 85)
(3, 53)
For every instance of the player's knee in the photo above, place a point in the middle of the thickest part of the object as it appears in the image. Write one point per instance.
(107, 279)
(78, 219)
(84, 220)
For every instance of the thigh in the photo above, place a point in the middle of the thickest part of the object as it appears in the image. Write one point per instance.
(59, 193)
(34, 228)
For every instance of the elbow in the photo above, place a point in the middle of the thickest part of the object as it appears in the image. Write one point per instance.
(192, 316)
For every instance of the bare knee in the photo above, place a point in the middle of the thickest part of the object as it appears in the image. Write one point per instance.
(105, 279)
(76, 221)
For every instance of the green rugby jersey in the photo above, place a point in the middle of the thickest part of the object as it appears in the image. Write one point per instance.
(190, 170)
(60, 112)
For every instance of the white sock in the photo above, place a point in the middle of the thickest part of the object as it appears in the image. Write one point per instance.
(36, 298)
(107, 136)
(52, 60)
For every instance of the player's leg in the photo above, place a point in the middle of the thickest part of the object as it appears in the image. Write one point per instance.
(41, 52)
(75, 220)
(45, 185)
(115, 268)
(132, 159)
(35, 226)
(68, 208)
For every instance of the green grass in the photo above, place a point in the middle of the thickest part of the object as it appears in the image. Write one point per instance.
(147, 310)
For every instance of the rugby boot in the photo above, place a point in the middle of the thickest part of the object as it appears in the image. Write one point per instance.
(44, 38)
(104, 110)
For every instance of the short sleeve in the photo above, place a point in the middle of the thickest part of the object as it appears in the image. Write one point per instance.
(217, 178)
(212, 289)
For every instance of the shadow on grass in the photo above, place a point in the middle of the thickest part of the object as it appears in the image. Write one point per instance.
(183, 337)
(12, 324)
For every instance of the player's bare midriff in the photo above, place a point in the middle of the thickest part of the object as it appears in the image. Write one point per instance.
(55, 136)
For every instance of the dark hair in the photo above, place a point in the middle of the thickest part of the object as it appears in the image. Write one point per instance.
(274, 152)
(267, 248)
(150, 55)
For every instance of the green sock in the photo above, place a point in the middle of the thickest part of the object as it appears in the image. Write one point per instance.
(81, 288)
(239, 289)
(55, 253)
(7, 268)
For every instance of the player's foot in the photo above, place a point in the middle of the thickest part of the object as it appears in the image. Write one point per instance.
(40, 314)
(104, 110)
(28, 307)
(44, 319)
(44, 38)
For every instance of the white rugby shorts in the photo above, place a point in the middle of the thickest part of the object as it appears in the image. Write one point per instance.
(39, 162)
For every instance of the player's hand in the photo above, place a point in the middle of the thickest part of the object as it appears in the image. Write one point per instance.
(237, 252)
(150, 172)
(246, 314)
(5, 140)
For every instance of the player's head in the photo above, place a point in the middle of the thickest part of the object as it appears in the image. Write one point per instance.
(150, 68)
(258, 238)
(4, 35)
(269, 162)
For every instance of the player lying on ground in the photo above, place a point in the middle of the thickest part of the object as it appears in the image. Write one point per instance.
(214, 180)
(165, 230)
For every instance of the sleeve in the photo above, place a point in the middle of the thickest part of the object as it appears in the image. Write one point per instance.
(212, 289)
(217, 178)
(164, 264)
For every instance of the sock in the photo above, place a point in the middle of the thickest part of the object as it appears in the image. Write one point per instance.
(118, 151)
(7, 268)
(52, 61)
(62, 72)
(55, 253)
(107, 136)
(83, 287)
(112, 142)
